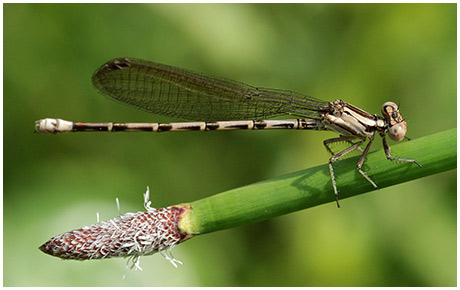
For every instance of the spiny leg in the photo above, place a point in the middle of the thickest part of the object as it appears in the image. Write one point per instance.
(347, 139)
(363, 158)
(335, 157)
(386, 148)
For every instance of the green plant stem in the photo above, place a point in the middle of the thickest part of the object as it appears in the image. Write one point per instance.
(307, 188)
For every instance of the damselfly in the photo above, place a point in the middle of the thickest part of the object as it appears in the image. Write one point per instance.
(177, 92)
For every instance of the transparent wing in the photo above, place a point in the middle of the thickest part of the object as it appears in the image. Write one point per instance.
(184, 94)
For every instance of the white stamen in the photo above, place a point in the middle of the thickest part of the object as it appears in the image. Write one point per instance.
(118, 206)
(147, 201)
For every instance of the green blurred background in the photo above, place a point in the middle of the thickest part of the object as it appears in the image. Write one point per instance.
(365, 54)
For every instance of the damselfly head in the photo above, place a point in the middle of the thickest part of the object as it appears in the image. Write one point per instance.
(397, 127)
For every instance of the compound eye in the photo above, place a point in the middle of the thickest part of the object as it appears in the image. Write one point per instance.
(391, 113)
(398, 131)
(390, 110)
